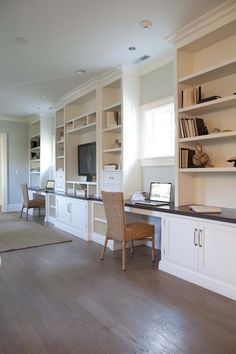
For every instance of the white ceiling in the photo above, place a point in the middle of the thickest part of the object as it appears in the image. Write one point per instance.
(60, 36)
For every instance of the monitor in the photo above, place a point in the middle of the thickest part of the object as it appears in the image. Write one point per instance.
(160, 192)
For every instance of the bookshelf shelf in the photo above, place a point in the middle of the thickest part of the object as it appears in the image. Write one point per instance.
(82, 129)
(211, 73)
(114, 107)
(218, 104)
(104, 221)
(215, 136)
(208, 170)
(112, 150)
(114, 129)
(60, 157)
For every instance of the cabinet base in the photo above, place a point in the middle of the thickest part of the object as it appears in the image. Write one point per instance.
(215, 285)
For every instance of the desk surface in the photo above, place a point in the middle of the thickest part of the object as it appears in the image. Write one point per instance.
(226, 215)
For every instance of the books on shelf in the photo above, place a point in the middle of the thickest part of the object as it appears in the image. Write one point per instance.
(190, 127)
(113, 119)
(110, 167)
(186, 158)
(191, 96)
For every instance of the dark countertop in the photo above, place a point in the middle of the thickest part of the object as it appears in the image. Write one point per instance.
(226, 215)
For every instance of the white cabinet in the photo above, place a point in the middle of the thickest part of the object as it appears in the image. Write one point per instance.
(72, 216)
(180, 242)
(217, 251)
(200, 251)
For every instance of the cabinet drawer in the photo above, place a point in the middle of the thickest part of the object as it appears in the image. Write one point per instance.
(112, 188)
(110, 177)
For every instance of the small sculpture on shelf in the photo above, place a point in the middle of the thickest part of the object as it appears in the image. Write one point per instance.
(232, 159)
(200, 158)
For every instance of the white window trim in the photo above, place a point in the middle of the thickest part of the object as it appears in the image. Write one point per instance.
(154, 161)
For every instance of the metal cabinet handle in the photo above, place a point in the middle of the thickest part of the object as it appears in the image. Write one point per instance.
(200, 237)
(195, 237)
(69, 207)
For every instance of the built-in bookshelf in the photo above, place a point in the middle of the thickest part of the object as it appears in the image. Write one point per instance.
(34, 147)
(207, 62)
(80, 128)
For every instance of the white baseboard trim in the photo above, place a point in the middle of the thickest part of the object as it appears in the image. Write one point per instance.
(71, 230)
(210, 283)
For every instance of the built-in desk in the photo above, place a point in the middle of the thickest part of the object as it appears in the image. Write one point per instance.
(196, 247)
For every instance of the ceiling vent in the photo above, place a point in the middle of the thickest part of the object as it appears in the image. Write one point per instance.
(141, 59)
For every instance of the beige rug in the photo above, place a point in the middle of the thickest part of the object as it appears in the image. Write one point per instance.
(16, 233)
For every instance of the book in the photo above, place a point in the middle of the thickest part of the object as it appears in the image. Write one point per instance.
(204, 209)
(110, 167)
(189, 96)
(186, 158)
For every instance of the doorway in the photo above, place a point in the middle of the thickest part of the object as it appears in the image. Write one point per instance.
(3, 173)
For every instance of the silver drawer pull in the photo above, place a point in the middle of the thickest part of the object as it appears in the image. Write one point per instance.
(195, 237)
(200, 237)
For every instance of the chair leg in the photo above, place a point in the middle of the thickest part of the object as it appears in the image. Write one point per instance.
(27, 210)
(153, 248)
(123, 255)
(21, 211)
(131, 247)
(104, 249)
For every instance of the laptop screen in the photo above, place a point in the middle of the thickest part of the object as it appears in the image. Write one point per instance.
(160, 192)
(50, 184)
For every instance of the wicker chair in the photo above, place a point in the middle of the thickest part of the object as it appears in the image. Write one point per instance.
(117, 229)
(27, 203)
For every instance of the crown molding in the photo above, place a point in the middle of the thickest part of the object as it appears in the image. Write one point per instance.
(15, 119)
(79, 91)
(211, 18)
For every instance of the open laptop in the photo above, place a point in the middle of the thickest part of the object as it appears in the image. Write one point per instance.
(159, 194)
(50, 186)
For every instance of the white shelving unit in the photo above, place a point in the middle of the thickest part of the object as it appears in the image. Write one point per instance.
(80, 128)
(34, 155)
(208, 61)
(60, 150)
(119, 132)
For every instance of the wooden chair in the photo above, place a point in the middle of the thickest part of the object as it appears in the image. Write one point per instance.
(27, 203)
(117, 229)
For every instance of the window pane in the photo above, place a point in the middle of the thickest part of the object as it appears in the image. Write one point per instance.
(158, 134)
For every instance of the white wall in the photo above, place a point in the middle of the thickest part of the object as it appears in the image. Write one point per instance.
(156, 85)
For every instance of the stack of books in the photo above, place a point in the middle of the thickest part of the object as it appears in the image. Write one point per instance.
(110, 167)
(190, 127)
(191, 96)
(186, 158)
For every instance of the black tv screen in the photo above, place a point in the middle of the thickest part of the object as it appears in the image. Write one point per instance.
(87, 159)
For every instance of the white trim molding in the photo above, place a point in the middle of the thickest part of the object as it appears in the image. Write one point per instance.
(223, 13)
(4, 173)
(157, 161)
(154, 65)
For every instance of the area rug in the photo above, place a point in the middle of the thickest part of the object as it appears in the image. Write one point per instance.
(16, 233)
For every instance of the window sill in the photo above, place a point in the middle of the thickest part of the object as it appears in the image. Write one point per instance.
(157, 161)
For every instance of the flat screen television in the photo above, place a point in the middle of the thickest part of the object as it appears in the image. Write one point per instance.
(87, 160)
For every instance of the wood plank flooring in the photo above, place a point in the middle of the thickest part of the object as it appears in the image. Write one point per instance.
(62, 299)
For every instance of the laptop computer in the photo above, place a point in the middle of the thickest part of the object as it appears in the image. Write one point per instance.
(159, 194)
(50, 185)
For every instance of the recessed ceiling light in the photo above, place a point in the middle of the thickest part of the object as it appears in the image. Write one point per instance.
(132, 48)
(81, 71)
(45, 97)
(50, 108)
(22, 40)
(146, 25)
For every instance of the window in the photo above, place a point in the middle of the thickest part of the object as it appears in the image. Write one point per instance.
(157, 133)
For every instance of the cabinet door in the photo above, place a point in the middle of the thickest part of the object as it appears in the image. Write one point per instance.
(63, 209)
(180, 246)
(79, 215)
(217, 247)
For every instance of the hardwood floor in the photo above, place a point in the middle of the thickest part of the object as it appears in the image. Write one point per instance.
(63, 299)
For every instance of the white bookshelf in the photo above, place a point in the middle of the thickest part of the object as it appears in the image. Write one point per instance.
(208, 61)
(34, 155)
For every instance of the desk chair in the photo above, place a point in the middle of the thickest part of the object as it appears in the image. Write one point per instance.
(117, 229)
(27, 203)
